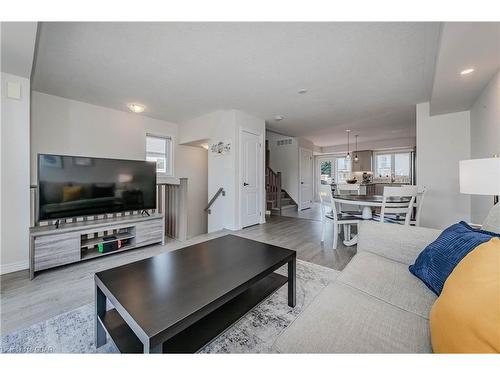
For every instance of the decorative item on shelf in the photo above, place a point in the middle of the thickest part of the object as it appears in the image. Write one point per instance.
(348, 156)
(356, 152)
(352, 180)
(367, 177)
(220, 148)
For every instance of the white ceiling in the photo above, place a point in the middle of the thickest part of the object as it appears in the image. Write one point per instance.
(365, 76)
(464, 45)
(17, 46)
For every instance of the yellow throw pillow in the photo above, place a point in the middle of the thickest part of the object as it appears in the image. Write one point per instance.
(71, 193)
(466, 316)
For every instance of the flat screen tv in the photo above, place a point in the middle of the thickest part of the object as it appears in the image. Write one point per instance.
(72, 186)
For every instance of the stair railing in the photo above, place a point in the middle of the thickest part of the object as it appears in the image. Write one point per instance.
(214, 198)
(273, 187)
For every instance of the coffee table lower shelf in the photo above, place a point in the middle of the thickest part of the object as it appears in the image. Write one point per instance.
(204, 330)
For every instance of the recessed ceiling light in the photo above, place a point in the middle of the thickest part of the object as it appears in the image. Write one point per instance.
(302, 91)
(467, 71)
(136, 107)
(279, 117)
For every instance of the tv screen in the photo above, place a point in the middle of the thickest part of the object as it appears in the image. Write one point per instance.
(72, 186)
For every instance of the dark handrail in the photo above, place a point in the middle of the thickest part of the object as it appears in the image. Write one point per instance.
(214, 198)
(273, 187)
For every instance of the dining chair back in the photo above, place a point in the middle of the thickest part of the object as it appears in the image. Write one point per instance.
(418, 205)
(349, 189)
(339, 218)
(410, 191)
(325, 199)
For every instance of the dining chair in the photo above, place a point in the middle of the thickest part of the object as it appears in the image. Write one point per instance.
(410, 191)
(349, 189)
(339, 218)
(418, 205)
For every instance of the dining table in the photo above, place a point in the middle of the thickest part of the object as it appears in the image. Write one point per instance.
(368, 202)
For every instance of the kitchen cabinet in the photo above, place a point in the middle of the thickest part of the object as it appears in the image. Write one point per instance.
(379, 187)
(364, 189)
(370, 189)
(364, 163)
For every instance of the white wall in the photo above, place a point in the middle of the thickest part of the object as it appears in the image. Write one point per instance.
(442, 141)
(214, 127)
(192, 163)
(15, 176)
(285, 159)
(383, 144)
(64, 126)
(485, 138)
(224, 170)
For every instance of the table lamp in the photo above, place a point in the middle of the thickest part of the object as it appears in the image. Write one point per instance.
(482, 177)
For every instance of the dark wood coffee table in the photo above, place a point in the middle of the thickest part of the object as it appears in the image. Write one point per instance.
(178, 301)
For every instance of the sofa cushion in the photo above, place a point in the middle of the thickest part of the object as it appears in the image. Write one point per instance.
(390, 281)
(343, 319)
(401, 243)
(439, 258)
(466, 316)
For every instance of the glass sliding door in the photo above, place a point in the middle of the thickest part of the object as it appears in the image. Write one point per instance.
(325, 172)
(331, 170)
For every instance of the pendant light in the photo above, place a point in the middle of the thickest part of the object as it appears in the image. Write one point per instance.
(348, 156)
(356, 155)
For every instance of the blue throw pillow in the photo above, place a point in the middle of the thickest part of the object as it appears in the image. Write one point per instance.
(435, 263)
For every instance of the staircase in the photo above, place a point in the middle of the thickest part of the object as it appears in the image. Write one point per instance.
(277, 199)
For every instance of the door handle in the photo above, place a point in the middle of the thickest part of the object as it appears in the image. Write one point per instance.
(245, 184)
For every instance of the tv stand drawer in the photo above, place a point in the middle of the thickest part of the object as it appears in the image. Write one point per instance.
(56, 250)
(149, 231)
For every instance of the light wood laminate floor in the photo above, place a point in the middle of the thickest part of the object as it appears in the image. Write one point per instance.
(24, 302)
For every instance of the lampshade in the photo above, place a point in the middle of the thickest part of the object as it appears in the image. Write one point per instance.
(480, 176)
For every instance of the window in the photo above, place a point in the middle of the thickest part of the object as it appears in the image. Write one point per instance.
(343, 170)
(383, 165)
(159, 149)
(402, 165)
(394, 165)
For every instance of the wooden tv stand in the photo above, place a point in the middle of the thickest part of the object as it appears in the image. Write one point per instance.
(52, 246)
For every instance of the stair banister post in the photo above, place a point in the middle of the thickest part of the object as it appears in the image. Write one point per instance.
(278, 190)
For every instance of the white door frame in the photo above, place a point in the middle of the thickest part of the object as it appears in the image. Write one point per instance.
(300, 177)
(260, 164)
(318, 160)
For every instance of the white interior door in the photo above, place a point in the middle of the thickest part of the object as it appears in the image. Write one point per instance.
(250, 184)
(305, 176)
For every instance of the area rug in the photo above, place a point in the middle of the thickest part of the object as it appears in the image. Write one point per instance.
(255, 332)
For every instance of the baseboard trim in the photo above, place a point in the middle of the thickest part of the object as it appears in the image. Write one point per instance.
(13, 267)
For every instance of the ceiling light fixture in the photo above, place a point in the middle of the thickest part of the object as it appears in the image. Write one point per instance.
(136, 107)
(302, 91)
(356, 155)
(467, 71)
(348, 156)
(279, 117)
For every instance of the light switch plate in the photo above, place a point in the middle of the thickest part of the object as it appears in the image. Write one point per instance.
(14, 90)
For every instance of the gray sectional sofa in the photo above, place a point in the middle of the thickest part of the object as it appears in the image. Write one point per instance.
(375, 305)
